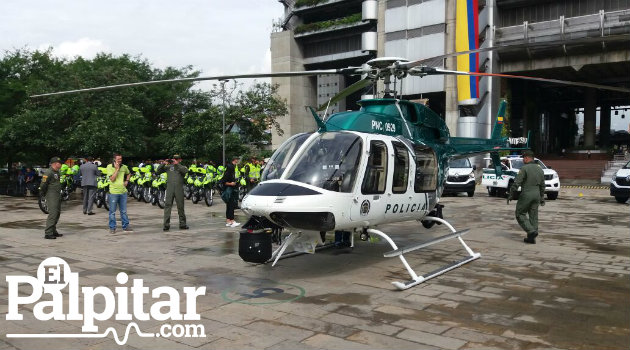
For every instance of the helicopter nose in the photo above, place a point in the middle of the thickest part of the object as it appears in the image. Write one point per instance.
(314, 221)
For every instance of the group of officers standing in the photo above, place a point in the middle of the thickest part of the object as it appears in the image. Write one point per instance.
(530, 179)
(119, 174)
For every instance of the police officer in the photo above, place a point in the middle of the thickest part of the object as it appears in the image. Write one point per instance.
(50, 187)
(531, 179)
(174, 189)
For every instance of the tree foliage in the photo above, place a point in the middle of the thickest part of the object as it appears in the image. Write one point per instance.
(144, 122)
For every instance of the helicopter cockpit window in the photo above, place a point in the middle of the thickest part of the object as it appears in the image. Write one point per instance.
(329, 162)
(281, 158)
(401, 168)
(426, 170)
(375, 179)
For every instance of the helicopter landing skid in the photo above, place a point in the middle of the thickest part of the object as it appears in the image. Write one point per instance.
(279, 253)
(415, 279)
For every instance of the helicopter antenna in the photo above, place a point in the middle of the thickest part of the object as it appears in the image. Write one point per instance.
(326, 111)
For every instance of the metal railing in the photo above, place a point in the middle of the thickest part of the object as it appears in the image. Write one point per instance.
(567, 28)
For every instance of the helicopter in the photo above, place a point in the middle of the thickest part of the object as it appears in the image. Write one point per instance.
(385, 163)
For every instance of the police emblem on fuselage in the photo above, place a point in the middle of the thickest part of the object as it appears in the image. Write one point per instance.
(365, 207)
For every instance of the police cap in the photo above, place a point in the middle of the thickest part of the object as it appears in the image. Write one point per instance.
(177, 156)
(55, 160)
(528, 153)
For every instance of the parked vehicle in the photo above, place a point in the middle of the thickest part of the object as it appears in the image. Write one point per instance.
(461, 177)
(101, 199)
(620, 184)
(159, 190)
(510, 166)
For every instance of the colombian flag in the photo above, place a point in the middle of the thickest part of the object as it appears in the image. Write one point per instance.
(467, 38)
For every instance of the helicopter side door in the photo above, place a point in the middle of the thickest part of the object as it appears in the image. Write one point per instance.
(401, 202)
(368, 205)
(426, 177)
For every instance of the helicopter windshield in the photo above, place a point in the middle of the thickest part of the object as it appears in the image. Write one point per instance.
(329, 162)
(281, 158)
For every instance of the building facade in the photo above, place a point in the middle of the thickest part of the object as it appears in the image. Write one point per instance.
(581, 40)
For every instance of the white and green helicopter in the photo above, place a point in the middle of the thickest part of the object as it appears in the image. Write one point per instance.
(384, 163)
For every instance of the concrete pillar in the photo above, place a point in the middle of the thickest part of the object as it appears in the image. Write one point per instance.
(604, 126)
(299, 92)
(590, 110)
(380, 37)
(450, 83)
(380, 28)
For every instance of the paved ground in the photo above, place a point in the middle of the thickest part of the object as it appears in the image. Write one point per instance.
(569, 291)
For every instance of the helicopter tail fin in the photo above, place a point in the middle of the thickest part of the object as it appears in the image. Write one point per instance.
(469, 146)
(498, 125)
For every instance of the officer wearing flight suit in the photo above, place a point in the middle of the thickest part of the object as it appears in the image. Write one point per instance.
(531, 179)
(174, 189)
(50, 187)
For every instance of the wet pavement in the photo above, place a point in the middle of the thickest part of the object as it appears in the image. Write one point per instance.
(569, 291)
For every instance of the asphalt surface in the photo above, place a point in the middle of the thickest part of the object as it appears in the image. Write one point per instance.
(569, 291)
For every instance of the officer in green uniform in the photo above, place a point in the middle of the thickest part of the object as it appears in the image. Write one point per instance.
(531, 179)
(174, 189)
(50, 187)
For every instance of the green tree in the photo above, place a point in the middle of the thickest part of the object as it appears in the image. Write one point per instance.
(253, 113)
(145, 121)
(128, 120)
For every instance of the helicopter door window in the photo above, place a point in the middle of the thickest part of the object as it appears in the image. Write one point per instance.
(426, 170)
(375, 179)
(401, 168)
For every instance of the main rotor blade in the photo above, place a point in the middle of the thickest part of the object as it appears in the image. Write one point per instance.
(219, 77)
(610, 38)
(346, 92)
(524, 77)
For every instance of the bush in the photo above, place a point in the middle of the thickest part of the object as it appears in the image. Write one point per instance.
(315, 26)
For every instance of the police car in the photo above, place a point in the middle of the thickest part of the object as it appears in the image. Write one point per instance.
(461, 177)
(510, 166)
(620, 184)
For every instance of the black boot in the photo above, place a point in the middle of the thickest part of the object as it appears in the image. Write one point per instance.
(531, 238)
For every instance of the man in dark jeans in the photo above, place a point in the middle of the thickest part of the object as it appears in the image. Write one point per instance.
(29, 181)
(229, 181)
(89, 173)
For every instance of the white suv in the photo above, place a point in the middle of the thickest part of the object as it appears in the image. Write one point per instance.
(511, 165)
(620, 184)
(461, 177)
